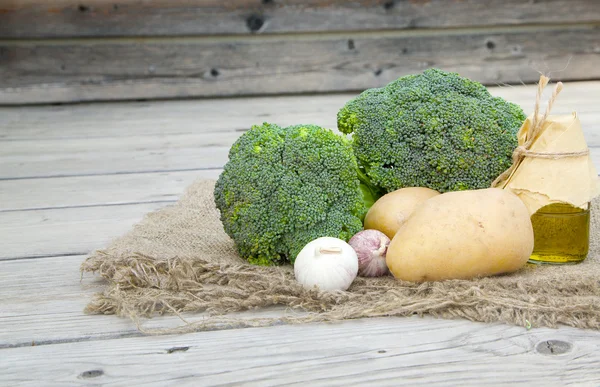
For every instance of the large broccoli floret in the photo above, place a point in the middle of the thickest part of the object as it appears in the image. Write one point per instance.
(435, 130)
(283, 187)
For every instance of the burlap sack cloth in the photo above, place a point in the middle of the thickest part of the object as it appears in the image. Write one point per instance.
(179, 259)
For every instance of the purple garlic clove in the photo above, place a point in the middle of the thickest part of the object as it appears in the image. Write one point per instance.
(371, 247)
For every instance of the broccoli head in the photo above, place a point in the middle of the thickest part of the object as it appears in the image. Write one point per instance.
(435, 130)
(284, 187)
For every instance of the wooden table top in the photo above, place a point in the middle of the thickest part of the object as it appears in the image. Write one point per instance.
(73, 177)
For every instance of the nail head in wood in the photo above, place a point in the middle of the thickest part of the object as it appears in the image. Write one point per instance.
(553, 347)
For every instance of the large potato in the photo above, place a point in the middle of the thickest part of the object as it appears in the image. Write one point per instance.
(393, 209)
(461, 235)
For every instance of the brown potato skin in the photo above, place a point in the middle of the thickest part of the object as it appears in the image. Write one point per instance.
(391, 210)
(462, 235)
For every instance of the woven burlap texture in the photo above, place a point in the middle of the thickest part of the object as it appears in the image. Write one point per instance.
(179, 259)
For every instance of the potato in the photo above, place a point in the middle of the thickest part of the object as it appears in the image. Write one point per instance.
(391, 210)
(462, 235)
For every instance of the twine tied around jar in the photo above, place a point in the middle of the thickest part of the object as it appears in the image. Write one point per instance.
(522, 150)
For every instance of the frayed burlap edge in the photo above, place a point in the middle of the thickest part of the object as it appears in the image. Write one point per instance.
(179, 260)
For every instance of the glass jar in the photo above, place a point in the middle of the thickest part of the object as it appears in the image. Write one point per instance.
(561, 234)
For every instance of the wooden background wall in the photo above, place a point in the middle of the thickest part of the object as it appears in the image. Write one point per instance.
(69, 51)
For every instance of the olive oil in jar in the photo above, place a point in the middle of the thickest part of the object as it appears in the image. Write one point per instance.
(561, 234)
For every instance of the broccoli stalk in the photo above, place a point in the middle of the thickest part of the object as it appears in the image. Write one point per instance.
(284, 187)
(435, 130)
(370, 193)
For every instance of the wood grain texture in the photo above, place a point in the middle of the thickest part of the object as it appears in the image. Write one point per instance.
(126, 119)
(165, 118)
(385, 351)
(193, 136)
(49, 309)
(45, 339)
(82, 191)
(67, 231)
(92, 18)
(152, 153)
(79, 230)
(76, 157)
(88, 70)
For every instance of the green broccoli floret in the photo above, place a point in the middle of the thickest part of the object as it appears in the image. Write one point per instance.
(284, 187)
(435, 130)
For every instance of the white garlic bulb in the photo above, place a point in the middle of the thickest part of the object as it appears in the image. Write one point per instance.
(329, 263)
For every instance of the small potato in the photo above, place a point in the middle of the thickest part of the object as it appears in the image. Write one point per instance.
(392, 209)
(462, 235)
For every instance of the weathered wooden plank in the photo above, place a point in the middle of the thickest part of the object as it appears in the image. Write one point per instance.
(81, 191)
(234, 114)
(43, 302)
(80, 157)
(386, 351)
(91, 18)
(86, 70)
(125, 119)
(78, 230)
(66, 231)
(49, 309)
(157, 153)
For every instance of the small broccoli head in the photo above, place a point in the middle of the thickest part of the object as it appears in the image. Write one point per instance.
(283, 187)
(435, 130)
